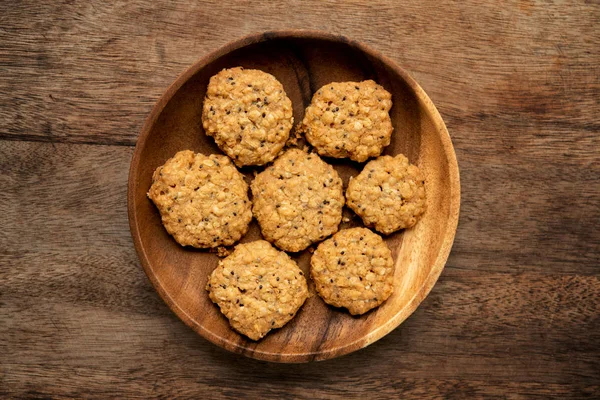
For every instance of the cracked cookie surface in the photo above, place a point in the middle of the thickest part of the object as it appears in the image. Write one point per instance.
(298, 200)
(349, 120)
(248, 114)
(353, 269)
(258, 288)
(388, 194)
(203, 200)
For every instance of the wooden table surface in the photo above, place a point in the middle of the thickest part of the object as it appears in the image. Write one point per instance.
(516, 312)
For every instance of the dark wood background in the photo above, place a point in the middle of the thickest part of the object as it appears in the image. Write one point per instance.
(516, 312)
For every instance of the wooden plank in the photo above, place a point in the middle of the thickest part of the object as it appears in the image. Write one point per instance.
(520, 217)
(79, 330)
(513, 219)
(79, 318)
(527, 73)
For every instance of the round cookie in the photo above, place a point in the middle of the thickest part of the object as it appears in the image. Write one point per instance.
(248, 114)
(298, 200)
(258, 288)
(349, 119)
(203, 200)
(389, 194)
(353, 269)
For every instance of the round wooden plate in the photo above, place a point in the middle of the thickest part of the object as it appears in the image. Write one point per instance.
(302, 61)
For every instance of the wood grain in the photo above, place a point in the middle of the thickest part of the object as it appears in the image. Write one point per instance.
(515, 313)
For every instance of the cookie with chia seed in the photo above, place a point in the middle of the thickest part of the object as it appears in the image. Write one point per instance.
(298, 200)
(353, 269)
(258, 288)
(349, 120)
(389, 194)
(202, 200)
(248, 114)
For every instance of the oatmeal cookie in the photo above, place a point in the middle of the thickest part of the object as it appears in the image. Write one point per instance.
(258, 288)
(248, 114)
(389, 194)
(353, 269)
(298, 200)
(349, 120)
(203, 200)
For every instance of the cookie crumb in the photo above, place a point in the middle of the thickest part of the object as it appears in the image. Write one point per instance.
(223, 251)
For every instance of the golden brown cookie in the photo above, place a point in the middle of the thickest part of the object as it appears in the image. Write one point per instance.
(298, 200)
(389, 194)
(349, 119)
(353, 269)
(248, 114)
(203, 200)
(258, 288)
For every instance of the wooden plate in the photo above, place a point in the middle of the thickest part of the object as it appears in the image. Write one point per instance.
(302, 61)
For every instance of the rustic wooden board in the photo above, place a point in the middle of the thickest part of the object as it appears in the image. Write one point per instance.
(516, 312)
